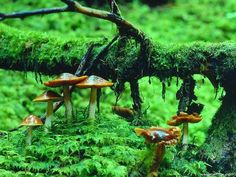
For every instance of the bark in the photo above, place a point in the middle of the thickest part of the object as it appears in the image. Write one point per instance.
(220, 147)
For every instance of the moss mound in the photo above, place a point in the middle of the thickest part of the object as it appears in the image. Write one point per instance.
(107, 147)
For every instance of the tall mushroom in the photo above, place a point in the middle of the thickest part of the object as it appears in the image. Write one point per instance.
(184, 118)
(65, 80)
(31, 121)
(49, 97)
(93, 82)
(160, 137)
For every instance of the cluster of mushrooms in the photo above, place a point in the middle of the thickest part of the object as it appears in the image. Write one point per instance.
(162, 137)
(65, 80)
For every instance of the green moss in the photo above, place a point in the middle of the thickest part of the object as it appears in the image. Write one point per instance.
(171, 60)
(186, 59)
(40, 52)
(178, 22)
(47, 54)
(107, 148)
(182, 22)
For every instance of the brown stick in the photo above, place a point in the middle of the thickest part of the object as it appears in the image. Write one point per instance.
(74, 6)
(34, 12)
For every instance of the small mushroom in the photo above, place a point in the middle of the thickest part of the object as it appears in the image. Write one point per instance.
(65, 80)
(49, 97)
(31, 121)
(161, 137)
(124, 112)
(184, 118)
(93, 82)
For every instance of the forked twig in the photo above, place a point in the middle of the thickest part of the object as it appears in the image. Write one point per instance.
(74, 6)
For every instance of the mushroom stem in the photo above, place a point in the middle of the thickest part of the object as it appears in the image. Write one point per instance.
(92, 103)
(29, 136)
(48, 121)
(185, 134)
(158, 157)
(67, 101)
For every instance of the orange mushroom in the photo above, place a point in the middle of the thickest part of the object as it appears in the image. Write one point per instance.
(124, 112)
(65, 80)
(161, 137)
(48, 96)
(184, 118)
(93, 82)
(31, 121)
(159, 134)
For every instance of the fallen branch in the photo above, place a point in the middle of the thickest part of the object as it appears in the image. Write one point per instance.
(74, 6)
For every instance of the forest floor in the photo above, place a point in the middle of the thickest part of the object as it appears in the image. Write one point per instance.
(180, 22)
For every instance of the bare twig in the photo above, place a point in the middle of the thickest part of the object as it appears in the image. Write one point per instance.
(34, 12)
(114, 7)
(93, 63)
(74, 6)
(186, 94)
(84, 62)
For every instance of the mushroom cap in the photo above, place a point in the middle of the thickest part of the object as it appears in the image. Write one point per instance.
(94, 82)
(184, 118)
(160, 135)
(123, 112)
(65, 79)
(48, 96)
(31, 121)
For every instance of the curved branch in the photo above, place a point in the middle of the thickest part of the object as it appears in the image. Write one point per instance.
(74, 6)
(109, 16)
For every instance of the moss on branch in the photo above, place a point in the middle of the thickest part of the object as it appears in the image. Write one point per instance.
(124, 61)
(30, 51)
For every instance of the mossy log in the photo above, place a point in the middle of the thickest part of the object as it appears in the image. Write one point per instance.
(125, 61)
(50, 55)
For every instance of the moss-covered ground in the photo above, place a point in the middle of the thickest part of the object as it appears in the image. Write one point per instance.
(106, 147)
(79, 150)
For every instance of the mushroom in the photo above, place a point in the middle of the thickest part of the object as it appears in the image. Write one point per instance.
(161, 137)
(124, 112)
(31, 121)
(65, 80)
(93, 82)
(184, 118)
(48, 96)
